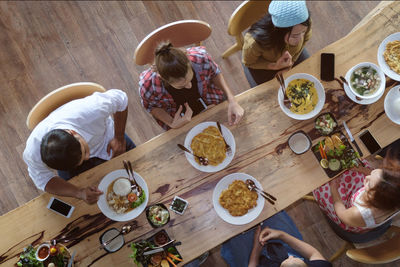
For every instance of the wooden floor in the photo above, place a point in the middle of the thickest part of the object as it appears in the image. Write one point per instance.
(48, 44)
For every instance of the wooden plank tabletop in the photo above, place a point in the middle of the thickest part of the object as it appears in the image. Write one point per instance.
(261, 151)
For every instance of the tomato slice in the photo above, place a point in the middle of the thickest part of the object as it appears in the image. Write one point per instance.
(132, 197)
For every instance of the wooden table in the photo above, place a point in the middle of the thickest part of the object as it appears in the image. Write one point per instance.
(262, 152)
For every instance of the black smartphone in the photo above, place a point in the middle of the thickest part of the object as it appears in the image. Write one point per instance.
(60, 207)
(327, 66)
(369, 141)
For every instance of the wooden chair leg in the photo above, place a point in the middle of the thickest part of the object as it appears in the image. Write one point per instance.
(341, 250)
(234, 48)
(309, 197)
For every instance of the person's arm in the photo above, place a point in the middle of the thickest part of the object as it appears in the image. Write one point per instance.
(235, 111)
(252, 57)
(175, 122)
(351, 216)
(60, 187)
(118, 143)
(300, 246)
(255, 252)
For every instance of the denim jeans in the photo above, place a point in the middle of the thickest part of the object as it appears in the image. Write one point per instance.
(236, 251)
(259, 76)
(90, 163)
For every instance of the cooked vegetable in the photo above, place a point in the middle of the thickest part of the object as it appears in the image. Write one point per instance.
(132, 197)
(158, 215)
(171, 261)
(164, 263)
(174, 257)
(325, 124)
(178, 205)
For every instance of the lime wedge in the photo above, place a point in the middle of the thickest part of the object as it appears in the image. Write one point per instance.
(324, 163)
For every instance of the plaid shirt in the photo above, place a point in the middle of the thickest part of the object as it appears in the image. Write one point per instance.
(154, 95)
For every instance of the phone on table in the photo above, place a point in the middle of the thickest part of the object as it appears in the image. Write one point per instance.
(327, 66)
(60, 207)
(369, 141)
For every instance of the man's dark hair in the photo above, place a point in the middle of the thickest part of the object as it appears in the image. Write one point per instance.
(60, 150)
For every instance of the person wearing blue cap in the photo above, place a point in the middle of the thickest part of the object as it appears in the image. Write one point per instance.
(276, 42)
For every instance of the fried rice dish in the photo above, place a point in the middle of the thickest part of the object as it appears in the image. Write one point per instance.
(209, 144)
(392, 55)
(238, 199)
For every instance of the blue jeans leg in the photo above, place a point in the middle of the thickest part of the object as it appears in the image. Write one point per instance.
(236, 251)
(92, 162)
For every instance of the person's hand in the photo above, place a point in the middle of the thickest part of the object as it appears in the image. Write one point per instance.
(179, 120)
(235, 113)
(90, 194)
(267, 234)
(117, 145)
(285, 61)
(334, 184)
(256, 242)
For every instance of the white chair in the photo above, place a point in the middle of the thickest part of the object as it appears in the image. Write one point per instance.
(59, 97)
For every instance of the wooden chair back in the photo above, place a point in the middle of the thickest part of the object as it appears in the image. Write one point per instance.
(243, 17)
(179, 33)
(59, 97)
(385, 252)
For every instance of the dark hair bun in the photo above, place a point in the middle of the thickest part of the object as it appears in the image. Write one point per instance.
(164, 48)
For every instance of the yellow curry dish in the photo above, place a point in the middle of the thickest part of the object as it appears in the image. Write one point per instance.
(302, 95)
(209, 144)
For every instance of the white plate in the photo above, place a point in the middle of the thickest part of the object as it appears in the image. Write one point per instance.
(321, 97)
(109, 212)
(230, 140)
(393, 98)
(381, 60)
(223, 213)
(350, 94)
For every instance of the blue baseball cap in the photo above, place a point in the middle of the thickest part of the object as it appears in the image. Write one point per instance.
(288, 13)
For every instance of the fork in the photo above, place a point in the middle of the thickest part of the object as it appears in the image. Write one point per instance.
(228, 147)
(281, 80)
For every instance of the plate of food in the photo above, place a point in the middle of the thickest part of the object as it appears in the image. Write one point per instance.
(170, 256)
(234, 202)
(205, 140)
(45, 255)
(367, 83)
(157, 215)
(306, 94)
(335, 154)
(389, 56)
(392, 104)
(119, 202)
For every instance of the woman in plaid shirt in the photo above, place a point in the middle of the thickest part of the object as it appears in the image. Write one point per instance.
(181, 85)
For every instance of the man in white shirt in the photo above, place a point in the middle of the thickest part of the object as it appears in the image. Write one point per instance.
(76, 137)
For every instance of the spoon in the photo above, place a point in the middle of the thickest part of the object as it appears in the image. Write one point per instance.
(203, 161)
(252, 186)
(345, 81)
(124, 230)
(286, 100)
(131, 175)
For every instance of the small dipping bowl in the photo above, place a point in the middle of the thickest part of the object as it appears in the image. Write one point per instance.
(180, 201)
(299, 142)
(43, 252)
(114, 245)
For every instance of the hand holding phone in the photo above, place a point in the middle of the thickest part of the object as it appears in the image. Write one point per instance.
(60, 207)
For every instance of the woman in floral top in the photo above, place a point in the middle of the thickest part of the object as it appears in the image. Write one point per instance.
(181, 85)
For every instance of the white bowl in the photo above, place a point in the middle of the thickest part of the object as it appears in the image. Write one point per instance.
(37, 252)
(381, 75)
(321, 97)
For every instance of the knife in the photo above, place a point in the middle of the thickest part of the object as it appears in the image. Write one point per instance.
(162, 248)
(71, 260)
(352, 139)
